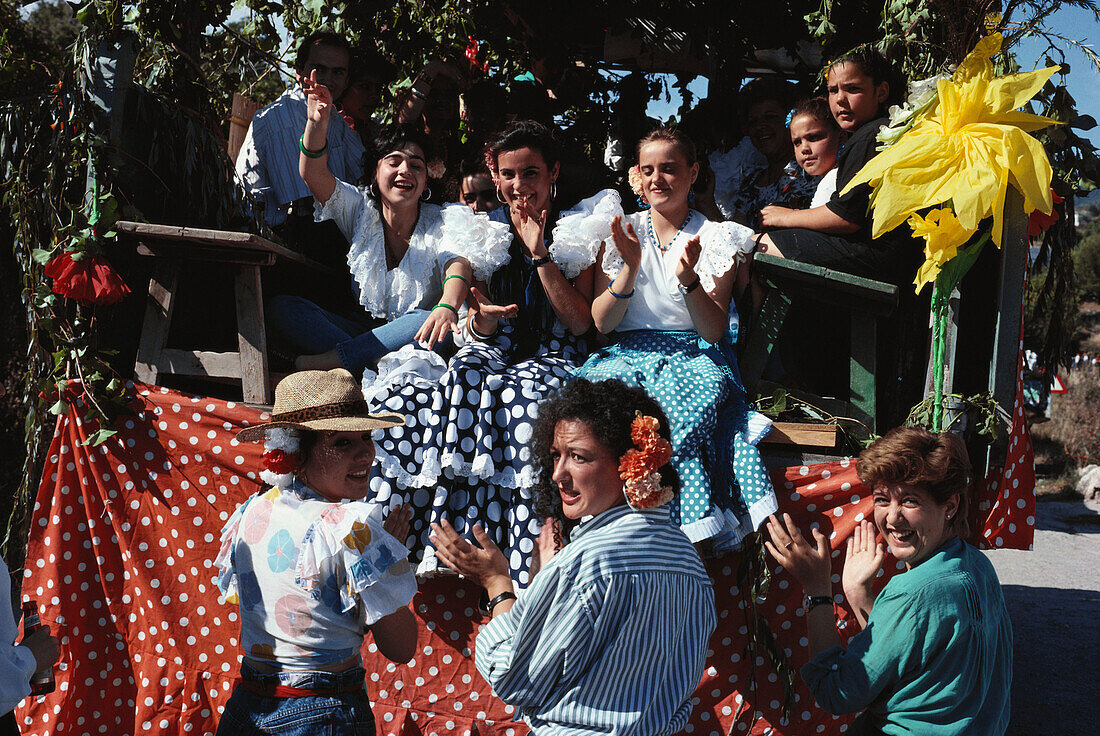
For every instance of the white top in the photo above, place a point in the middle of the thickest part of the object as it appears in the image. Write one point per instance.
(657, 303)
(309, 575)
(441, 234)
(825, 188)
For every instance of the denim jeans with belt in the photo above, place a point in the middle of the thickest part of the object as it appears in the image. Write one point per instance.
(309, 330)
(346, 714)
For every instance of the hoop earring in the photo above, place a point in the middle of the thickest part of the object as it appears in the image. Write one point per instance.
(426, 194)
(500, 196)
(553, 190)
(372, 191)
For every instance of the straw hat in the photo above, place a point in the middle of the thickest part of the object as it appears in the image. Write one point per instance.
(320, 400)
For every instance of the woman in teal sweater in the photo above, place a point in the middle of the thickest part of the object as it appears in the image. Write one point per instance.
(935, 653)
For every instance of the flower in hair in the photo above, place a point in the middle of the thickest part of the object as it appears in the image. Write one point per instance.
(639, 467)
(634, 176)
(281, 457)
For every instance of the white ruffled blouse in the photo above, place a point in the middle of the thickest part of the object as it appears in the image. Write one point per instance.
(580, 230)
(657, 303)
(441, 234)
(309, 574)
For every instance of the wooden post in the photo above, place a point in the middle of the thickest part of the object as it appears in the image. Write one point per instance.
(250, 336)
(1005, 368)
(240, 117)
(159, 305)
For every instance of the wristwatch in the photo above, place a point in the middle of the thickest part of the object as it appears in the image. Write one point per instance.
(486, 606)
(810, 602)
(536, 262)
(685, 290)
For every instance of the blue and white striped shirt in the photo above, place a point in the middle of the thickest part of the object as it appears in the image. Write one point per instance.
(611, 636)
(267, 165)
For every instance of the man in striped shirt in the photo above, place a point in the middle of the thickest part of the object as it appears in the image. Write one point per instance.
(267, 165)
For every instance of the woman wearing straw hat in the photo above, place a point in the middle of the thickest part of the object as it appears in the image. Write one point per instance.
(313, 567)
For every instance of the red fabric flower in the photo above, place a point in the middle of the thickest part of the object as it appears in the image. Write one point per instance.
(280, 462)
(91, 280)
(1038, 222)
(472, 48)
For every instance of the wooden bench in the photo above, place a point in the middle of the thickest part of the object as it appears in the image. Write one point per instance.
(864, 300)
(247, 254)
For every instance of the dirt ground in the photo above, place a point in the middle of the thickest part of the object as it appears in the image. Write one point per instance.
(1053, 597)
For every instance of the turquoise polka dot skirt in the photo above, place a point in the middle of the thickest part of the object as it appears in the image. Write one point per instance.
(725, 491)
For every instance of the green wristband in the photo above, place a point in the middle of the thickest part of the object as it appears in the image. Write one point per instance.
(456, 276)
(308, 153)
(448, 306)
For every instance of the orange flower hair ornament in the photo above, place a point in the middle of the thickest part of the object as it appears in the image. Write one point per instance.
(639, 467)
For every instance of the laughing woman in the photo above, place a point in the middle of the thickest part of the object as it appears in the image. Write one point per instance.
(664, 290)
(935, 653)
(412, 262)
(463, 455)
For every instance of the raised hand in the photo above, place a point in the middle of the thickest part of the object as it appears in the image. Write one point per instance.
(486, 565)
(397, 523)
(862, 562)
(685, 267)
(318, 98)
(627, 243)
(435, 328)
(810, 564)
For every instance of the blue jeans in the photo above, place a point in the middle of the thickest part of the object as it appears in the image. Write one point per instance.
(347, 714)
(309, 330)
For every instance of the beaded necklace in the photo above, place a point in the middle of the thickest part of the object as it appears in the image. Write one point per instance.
(653, 235)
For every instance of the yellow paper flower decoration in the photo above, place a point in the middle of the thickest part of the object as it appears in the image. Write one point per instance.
(965, 149)
(943, 234)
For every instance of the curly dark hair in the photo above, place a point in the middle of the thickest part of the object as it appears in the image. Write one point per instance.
(935, 463)
(528, 134)
(607, 408)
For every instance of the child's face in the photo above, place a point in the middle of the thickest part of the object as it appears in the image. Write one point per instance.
(854, 97)
(815, 144)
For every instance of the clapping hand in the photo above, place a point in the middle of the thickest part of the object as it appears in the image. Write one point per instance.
(810, 564)
(397, 523)
(627, 243)
(862, 562)
(531, 226)
(318, 98)
(484, 564)
(685, 268)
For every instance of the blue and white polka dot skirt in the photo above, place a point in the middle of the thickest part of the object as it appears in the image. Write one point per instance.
(463, 453)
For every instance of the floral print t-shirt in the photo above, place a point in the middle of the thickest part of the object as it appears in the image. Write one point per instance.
(309, 575)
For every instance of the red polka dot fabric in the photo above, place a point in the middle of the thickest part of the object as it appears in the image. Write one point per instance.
(121, 553)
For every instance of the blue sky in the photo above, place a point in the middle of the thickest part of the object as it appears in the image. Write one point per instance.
(1083, 83)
